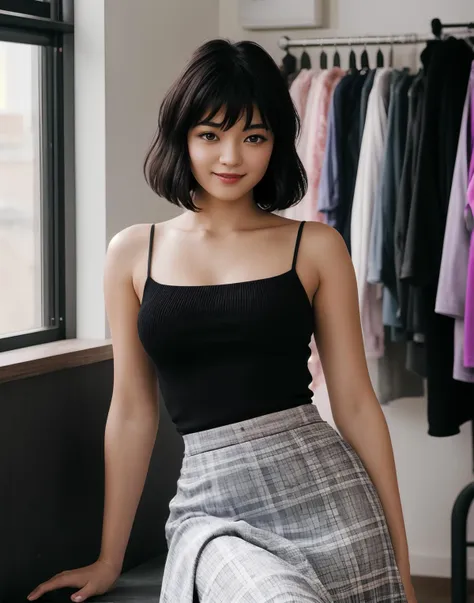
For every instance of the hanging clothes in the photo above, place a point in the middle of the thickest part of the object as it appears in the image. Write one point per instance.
(390, 378)
(366, 189)
(469, 213)
(409, 313)
(350, 152)
(328, 193)
(389, 375)
(402, 211)
(316, 128)
(309, 121)
(364, 100)
(469, 318)
(332, 185)
(447, 65)
(302, 92)
(299, 91)
(357, 130)
(391, 178)
(386, 188)
(336, 202)
(451, 292)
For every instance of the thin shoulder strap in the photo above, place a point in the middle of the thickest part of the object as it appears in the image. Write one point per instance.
(150, 248)
(297, 245)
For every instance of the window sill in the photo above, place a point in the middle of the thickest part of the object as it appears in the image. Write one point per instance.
(50, 357)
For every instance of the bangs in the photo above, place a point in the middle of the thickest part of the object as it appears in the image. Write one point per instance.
(235, 95)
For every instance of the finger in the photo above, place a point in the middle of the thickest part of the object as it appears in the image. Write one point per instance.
(57, 582)
(83, 594)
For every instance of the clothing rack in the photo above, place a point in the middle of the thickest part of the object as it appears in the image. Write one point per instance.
(467, 30)
(465, 499)
(285, 43)
(437, 27)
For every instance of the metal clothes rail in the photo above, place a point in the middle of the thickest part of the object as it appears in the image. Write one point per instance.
(437, 29)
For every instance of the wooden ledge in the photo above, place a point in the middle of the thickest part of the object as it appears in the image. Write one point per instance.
(49, 357)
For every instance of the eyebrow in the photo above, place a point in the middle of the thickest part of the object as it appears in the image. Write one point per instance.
(214, 124)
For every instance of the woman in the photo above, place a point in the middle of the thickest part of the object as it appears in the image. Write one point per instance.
(272, 503)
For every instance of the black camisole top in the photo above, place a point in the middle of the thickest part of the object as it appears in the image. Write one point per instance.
(231, 352)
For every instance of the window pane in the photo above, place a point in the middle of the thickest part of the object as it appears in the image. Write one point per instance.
(21, 248)
(37, 8)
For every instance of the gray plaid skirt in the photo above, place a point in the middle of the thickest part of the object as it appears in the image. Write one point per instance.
(278, 508)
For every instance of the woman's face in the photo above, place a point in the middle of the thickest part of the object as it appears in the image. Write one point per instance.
(228, 164)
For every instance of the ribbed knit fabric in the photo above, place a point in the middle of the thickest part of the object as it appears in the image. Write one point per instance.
(230, 352)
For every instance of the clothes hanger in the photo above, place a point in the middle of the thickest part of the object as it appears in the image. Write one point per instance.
(289, 63)
(336, 60)
(305, 60)
(323, 59)
(364, 59)
(380, 58)
(390, 56)
(352, 60)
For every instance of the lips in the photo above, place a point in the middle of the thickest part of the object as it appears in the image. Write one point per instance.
(229, 178)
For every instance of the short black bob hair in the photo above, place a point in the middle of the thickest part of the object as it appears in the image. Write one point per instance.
(233, 77)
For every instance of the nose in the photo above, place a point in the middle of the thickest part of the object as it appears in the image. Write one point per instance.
(230, 154)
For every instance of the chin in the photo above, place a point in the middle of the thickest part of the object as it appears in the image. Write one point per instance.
(228, 194)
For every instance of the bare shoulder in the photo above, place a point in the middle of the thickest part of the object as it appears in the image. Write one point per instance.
(328, 262)
(322, 235)
(127, 240)
(126, 260)
(324, 247)
(127, 253)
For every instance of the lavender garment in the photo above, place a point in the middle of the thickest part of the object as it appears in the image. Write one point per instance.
(451, 294)
(329, 183)
(469, 315)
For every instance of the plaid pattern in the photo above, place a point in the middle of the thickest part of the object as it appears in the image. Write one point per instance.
(277, 508)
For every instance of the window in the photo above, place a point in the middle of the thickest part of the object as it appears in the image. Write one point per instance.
(32, 169)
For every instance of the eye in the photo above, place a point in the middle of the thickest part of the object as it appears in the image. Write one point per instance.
(256, 138)
(209, 136)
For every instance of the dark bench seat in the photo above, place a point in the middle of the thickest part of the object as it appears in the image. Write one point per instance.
(142, 584)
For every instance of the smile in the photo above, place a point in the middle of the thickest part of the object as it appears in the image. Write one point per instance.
(229, 178)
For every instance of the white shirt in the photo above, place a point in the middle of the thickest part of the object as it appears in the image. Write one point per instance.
(367, 187)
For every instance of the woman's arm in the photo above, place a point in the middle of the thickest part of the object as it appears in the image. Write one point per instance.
(133, 417)
(355, 408)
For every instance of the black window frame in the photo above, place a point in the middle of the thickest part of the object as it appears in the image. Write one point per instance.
(42, 23)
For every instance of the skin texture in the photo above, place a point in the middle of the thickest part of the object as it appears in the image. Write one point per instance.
(230, 240)
(236, 151)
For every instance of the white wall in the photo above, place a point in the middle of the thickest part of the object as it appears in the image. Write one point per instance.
(147, 45)
(431, 471)
(89, 55)
(127, 54)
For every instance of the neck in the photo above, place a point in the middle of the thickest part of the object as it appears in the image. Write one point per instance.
(220, 216)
